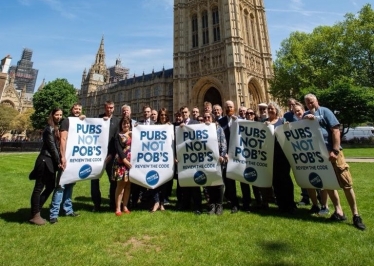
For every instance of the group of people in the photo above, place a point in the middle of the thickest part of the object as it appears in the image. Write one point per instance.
(125, 195)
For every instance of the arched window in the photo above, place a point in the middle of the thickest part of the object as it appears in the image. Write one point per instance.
(253, 28)
(204, 22)
(195, 39)
(216, 29)
(247, 28)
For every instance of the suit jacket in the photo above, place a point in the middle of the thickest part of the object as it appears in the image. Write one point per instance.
(224, 123)
(113, 128)
(192, 122)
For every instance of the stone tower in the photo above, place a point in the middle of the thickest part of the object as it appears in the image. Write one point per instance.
(98, 74)
(221, 52)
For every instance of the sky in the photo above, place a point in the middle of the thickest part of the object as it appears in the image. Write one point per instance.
(65, 35)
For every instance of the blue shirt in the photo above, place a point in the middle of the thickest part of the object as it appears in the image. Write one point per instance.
(326, 120)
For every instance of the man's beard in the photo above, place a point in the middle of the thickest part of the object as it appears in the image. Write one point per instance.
(312, 110)
(230, 112)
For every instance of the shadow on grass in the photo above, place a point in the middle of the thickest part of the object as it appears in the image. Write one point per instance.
(20, 216)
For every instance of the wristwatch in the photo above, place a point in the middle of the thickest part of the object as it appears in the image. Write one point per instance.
(336, 152)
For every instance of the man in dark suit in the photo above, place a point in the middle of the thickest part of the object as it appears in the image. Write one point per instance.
(95, 183)
(190, 192)
(147, 111)
(230, 186)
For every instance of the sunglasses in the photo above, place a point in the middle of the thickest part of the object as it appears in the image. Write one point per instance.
(250, 113)
(201, 120)
(261, 109)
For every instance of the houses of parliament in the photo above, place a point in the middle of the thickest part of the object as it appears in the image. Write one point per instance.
(221, 52)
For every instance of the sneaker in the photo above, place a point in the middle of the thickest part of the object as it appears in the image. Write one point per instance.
(166, 202)
(303, 202)
(324, 211)
(53, 220)
(73, 214)
(357, 221)
(314, 210)
(212, 209)
(219, 209)
(234, 209)
(337, 217)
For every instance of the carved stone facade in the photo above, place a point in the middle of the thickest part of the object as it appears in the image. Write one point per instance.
(221, 52)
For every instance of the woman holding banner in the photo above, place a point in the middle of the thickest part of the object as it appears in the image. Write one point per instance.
(160, 193)
(122, 165)
(216, 192)
(282, 182)
(46, 166)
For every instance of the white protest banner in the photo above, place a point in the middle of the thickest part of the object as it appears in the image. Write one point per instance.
(251, 153)
(86, 149)
(197, 153)
(303, 145)
(152, 155)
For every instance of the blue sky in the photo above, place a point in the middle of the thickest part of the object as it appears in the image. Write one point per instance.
(65, 34)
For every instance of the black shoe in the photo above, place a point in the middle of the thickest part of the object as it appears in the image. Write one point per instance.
(357, 221)
(197, 212)
(96, 209)
(73, 214)
(219, 209)
(315, 209)
(246, 209)
(337, 217)
(212, 209)
(53, 220)
(234, 209)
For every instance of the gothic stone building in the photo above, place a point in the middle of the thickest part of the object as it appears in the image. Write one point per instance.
(221, 52)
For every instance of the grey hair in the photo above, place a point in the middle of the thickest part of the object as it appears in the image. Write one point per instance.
(126, 106)
(276, 106)
(310, 95)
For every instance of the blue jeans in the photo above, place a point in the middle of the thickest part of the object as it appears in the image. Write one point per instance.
(62, 195)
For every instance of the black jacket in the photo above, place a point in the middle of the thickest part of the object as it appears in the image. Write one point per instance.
(49, 156)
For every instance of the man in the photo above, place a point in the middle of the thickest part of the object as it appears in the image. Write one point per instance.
(95, 183)
(262, 111)
(63, 194)
(208, 107)
(195, 113)
(329, 126)
(225, 123)
(242, 112)
(146, 116)
(154, 115)
(217, 111)
(137, 191)
(190, 192)
(126, 112)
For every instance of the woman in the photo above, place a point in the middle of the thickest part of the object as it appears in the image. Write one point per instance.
(161, 193)
(122, 166)
(298, 110)
(282, 182)
(216, 192)
(46, 166)
(251, 115)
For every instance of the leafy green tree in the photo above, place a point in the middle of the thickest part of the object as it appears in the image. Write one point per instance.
(22, 122)
(326, 56)
(7, 114)
(57, 93)
(352, 104)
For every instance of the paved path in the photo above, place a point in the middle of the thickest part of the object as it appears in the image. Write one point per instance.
(359, 160)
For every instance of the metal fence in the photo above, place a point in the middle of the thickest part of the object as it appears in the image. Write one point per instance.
(20, 146)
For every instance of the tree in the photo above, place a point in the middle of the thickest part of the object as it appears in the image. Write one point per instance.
(325, 57)
(7, 114)
(352, 104)
(22, 122)
(57, 93)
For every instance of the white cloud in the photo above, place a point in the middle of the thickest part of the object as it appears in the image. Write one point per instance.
(57, 5)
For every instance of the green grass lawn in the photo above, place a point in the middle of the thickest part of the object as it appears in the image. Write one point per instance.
(359, 152)
(177, 238)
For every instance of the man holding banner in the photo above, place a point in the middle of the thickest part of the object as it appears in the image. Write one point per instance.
(63, 194)
(329, 126)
